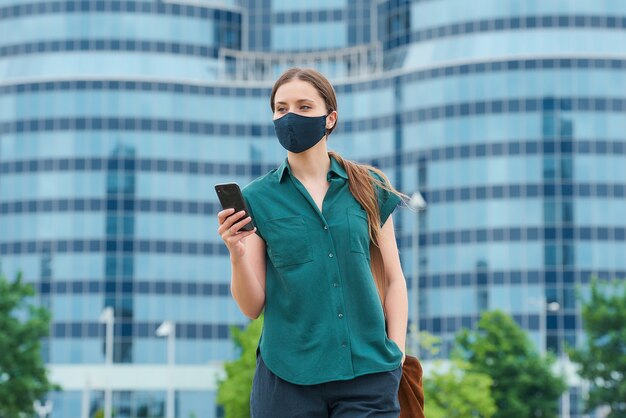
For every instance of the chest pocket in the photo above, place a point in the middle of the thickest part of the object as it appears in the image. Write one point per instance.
(288, 242)
(359, 230)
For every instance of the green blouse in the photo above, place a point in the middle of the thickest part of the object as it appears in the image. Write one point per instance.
(323, 317)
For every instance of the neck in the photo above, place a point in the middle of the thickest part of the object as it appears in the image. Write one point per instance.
(312, 164)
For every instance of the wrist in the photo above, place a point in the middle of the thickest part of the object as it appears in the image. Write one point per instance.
(236, 260)
(400, 342)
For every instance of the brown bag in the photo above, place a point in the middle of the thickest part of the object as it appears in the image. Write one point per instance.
(411, 392)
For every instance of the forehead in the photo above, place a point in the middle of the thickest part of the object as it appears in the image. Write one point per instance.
(296, 90)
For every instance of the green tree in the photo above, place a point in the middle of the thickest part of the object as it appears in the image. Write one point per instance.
(459, 392)
(23, 375)
(233, 393)
(524, 385)
(453, 390)
(602, 358)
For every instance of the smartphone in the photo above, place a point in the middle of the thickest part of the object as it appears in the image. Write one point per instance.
(230, 196)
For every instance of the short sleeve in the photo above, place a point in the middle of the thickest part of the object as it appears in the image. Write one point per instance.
(387, 201)
(250, 205)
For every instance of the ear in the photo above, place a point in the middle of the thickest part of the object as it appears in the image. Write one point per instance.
(331, 119)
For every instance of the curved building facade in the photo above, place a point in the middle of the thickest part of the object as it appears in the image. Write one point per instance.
(117, 117)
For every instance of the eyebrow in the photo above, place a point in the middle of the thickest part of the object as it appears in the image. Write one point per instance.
(297, 101)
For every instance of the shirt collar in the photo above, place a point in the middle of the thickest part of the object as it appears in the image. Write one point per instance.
(335, 168)
(282, 168)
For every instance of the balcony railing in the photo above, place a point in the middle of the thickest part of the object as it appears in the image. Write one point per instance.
(337, 64)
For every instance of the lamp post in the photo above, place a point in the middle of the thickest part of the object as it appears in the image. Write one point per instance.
(42, 410)
(547, 307)
(168, 329)
(565, 396)
(418, 204)
(543, 314)
(565, 404)
(84, 408)
(108, 318)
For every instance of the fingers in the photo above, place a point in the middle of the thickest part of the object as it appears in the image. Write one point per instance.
(230, 228)
(234, 229)
(244, 234)
(232, 239)
(222, 215)
(227, 218)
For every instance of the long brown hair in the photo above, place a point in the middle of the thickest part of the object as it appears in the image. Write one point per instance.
(361, 182)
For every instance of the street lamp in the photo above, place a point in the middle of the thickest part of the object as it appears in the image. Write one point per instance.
(563, 358)
(547, 307)
(418, 204)
(42, 410)
(544, 307)
(168, 329)
(108, 318)
(553, 306)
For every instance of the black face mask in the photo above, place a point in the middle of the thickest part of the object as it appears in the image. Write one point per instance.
(298, 133)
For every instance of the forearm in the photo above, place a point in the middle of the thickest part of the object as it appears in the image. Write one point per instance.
(246, 288)
(396, 307)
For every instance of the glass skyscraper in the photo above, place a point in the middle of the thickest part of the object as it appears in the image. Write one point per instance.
(117, 117)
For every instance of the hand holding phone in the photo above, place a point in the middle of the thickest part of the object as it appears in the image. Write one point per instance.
(230, 196)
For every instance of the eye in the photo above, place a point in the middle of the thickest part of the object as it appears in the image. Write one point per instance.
(305, 107)
(280, 109)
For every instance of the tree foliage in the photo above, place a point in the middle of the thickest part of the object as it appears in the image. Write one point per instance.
(602, 358)
(233, 392)
(23, 375)
(524, 385)
(458, 392)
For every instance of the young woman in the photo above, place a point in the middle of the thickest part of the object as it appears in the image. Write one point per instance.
(323, 266)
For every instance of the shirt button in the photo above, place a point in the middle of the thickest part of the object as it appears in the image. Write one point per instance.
(330, 255)
(344, 345)
(335, 284)
(325, 226)
(340, 316)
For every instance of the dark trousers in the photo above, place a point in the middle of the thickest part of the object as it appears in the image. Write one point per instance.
(369, 396)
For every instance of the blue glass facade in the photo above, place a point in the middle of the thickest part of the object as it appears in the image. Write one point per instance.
(116, 120)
